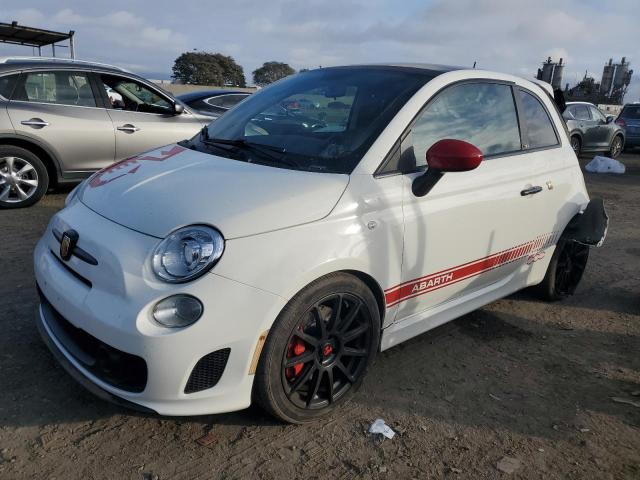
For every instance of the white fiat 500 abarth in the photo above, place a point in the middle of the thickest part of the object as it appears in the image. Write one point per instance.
(330, 216)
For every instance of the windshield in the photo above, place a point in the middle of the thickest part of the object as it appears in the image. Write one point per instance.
(323, 120)
(631, 112)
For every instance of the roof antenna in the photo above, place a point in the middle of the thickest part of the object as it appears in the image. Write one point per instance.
(474, 65)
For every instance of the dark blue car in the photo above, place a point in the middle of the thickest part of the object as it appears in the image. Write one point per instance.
(213, 103)
(629, 119)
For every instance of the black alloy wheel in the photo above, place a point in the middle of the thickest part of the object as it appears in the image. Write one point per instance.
(327, 351)
(572, 263)
(319, 349)
(565, 270)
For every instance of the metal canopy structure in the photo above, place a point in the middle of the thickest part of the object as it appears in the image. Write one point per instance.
(35, 37)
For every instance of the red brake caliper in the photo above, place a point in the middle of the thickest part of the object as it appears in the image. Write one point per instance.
(296, 348)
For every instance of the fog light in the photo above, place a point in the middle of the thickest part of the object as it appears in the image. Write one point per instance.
(178, 311)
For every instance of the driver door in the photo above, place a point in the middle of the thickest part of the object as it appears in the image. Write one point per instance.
(143, 118)
(463, 238)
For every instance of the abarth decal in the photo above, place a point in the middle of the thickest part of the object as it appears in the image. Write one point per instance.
(419, 286)
(105, 176)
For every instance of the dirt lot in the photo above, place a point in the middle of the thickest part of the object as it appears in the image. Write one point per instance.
(518, 378)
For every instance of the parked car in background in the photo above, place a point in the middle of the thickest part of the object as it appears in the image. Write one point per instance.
(629, 119)
(272, 262)
(212, 103)
(61, 120)
(590, 131)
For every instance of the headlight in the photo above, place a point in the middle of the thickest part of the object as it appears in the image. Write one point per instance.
(187, 253)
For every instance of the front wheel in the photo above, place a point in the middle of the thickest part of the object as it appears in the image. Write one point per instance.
(319, 349)
(565, 270)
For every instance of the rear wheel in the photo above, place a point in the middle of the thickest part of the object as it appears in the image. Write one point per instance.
(23, 177)
(617, 146)
(565, 270)
(319, 349)
(576, 144)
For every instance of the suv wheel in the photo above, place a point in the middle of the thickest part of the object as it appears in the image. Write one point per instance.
(23, 177)
(565, 270)
(617, 146)
(576, 144)
(318, 349)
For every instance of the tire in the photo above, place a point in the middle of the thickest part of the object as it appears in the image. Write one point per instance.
(334, 355)
(576, 144)
(565, 270)
(617, 145)
(23, 177)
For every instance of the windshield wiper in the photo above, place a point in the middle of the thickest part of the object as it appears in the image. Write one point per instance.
(264, 150)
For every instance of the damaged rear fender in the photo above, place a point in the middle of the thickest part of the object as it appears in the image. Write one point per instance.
(589, 227)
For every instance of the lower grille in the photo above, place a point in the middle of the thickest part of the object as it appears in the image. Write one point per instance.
(115, 367)
(207, 371)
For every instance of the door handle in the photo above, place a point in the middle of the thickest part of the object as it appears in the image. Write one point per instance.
(128, 128)
(530, 191)
(35, 123)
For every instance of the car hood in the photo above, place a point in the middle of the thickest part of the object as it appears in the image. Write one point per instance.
(161, 190)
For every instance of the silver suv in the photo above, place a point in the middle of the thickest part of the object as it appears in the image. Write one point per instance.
(60, 120)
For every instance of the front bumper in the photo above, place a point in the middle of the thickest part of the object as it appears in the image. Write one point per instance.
(112, 302)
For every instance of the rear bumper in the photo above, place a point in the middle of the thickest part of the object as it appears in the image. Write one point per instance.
(632, 141)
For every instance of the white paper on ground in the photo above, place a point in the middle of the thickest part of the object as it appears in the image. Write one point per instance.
(604, 165)
(380, 427)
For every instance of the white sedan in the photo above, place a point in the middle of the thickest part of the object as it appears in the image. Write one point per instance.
(274, 254)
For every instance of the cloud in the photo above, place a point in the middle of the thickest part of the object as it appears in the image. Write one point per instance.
(514, 36)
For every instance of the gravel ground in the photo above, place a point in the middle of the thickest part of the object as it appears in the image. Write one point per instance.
(519, 378)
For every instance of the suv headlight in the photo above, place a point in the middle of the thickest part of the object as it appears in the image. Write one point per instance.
(187, 253)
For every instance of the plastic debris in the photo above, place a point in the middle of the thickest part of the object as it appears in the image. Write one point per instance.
(508, 464)
(381, 428)
(628, 401)
(604, 165)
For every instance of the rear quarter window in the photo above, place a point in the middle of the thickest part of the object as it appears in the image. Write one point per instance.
(631, 112)
(538, 125)
(7, 84)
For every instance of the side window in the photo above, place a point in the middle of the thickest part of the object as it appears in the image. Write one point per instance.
(62, 88)
(7, 83)
(596, 114)
(127, 94)
(482, 114)
(539, 128)
(581, 112)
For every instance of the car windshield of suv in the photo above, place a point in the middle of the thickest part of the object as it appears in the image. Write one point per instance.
(631, 112)
(323, 120)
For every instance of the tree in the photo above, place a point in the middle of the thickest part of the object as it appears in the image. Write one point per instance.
(269, 72)
(204, 68)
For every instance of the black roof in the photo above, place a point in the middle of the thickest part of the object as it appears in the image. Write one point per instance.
(188, 97)
(32, 37)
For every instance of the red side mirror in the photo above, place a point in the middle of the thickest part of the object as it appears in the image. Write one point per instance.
(450, 155)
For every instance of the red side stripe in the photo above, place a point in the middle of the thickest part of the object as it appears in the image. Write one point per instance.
(443, 278)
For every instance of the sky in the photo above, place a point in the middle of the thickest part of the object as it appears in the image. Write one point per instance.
(512, 36)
